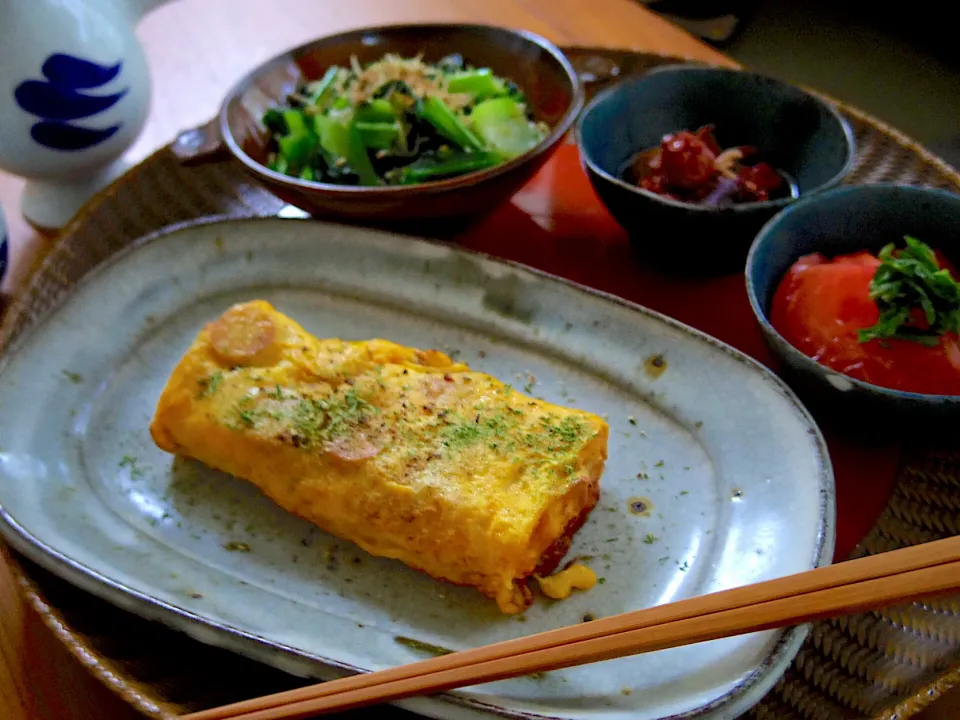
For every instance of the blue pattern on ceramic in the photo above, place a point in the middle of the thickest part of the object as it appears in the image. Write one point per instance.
(4, 246)
(59, 100)
(74, 72)
(4, 252)
(841, 221)
(799, 134)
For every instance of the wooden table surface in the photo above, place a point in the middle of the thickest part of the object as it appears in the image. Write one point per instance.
(196, 49)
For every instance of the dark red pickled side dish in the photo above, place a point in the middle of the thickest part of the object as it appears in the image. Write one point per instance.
(688, 161)
(821, 304)
(692, 167)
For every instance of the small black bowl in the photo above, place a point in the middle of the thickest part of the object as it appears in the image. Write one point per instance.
(799, 134)
(845, 220)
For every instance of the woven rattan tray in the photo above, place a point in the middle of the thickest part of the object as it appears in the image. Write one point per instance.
(886, 665)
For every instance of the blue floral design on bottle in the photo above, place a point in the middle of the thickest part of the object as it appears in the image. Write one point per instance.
(4, 250)
(59, 99)
(4, 246)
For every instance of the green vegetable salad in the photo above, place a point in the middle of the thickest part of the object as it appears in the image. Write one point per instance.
(400, 121)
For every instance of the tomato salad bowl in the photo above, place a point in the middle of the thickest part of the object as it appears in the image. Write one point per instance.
(856, 295)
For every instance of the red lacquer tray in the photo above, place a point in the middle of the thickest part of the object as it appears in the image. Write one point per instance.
(885, 665)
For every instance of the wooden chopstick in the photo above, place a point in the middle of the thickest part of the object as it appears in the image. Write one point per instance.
(847, 587)
(775, 613)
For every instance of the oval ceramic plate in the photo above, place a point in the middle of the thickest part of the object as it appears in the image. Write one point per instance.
(717, 476)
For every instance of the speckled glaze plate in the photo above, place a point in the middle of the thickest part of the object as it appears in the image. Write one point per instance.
(717, 476)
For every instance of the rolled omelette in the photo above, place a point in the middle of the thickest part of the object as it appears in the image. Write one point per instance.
(403, 452)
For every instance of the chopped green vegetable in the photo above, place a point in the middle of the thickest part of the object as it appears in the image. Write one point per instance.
(481, 83)
(333, 129)
(502, 123)
(319, 89)
(376, 111)
(343, 142)
(295, 122)
(381, 125)
(379, 135)
(357, 157)
(918, 300)
(433, 168)
(438, 114)
(274, 122)
(298, 150)
(299, 146)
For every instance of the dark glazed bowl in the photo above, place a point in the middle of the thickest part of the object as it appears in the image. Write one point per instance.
(841, 221)
(549, 81)
(799, 134)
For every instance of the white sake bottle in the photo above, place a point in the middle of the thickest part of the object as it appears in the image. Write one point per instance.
(74, 95)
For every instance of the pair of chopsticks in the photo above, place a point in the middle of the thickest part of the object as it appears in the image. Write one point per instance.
(854, 586)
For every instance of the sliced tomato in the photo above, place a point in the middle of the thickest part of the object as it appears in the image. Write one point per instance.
(821, 304)
(858, 258)
(912, 367)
